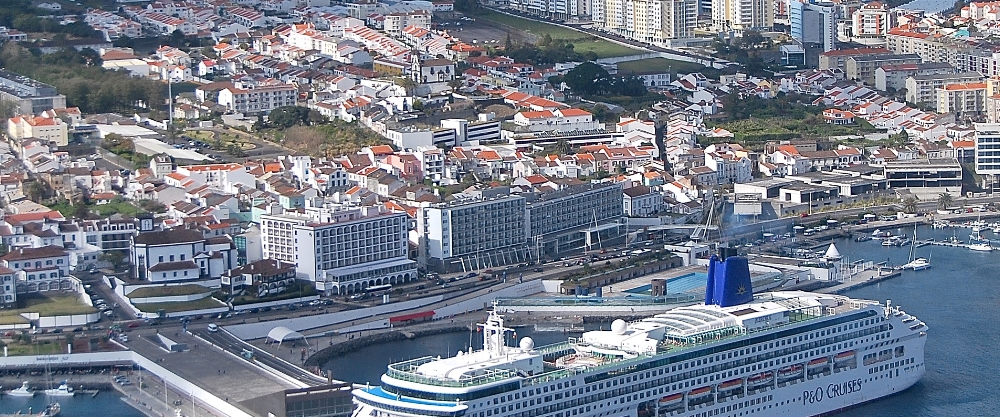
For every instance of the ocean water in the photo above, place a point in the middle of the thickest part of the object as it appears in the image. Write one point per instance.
(105, 404)
(958, 298)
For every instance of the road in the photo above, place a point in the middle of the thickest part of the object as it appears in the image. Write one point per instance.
(236, 346)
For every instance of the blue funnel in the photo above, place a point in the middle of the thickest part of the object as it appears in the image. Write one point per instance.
(728, 282)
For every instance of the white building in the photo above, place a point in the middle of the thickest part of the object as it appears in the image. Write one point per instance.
(740, 15)
(562, 120)
(44, 268)
(870, 23)
(466, 232)
(181, 255)
(343, 250)
(988, 153)
(254, 99)
(650, 21)
(641, 201)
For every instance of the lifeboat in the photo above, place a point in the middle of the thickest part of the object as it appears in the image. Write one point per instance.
(730, 385)
(762, 378)
(699, 392)
(844, 356)
(790, 372)
(671, 399)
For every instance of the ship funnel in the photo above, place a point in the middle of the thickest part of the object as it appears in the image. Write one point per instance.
(728, 280)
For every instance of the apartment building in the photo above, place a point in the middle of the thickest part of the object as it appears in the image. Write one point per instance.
(963, 99)
(894, 76)
(862, 67)
(394, 23)
(650, 21)
(49, 129)
(555, 9)
(342, 250)
(740, 15)
(837, 59)
(923, 88)
(257, 99)
(871, 23)
(42, 269)
(930, 47)
(988, 154)
(563, 120)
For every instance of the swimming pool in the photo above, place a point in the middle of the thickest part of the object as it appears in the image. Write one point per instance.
(694, 281)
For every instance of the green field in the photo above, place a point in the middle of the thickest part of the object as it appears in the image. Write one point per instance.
(169, 290)
(659, 65)
(46, 348)
(50, 305)
(208, 302)
(582, 42)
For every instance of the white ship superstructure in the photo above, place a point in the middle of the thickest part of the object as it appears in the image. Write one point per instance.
(774, 354)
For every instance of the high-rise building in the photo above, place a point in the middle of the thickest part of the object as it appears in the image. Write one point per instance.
(813, 24)
(651, 21)
(740, 15)
(343, 250)
(871, 23)
(988, 154)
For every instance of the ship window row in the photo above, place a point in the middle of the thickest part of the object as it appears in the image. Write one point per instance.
(689, 375)
(735, 345)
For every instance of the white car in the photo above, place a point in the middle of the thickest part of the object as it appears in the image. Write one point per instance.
(123, 338)
(213, 327)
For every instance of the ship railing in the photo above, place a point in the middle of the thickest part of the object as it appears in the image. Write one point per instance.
(494, 375)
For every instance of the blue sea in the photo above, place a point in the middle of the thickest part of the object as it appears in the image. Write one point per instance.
(105, 404)
(958, 298)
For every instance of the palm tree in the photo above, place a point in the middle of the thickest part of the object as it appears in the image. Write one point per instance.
(910, 205)
(944, 201)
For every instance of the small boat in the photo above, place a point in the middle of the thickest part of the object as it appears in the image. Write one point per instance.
(51, 410)
(981, 247)
(23, 391)
(917, 264)
(64, 390)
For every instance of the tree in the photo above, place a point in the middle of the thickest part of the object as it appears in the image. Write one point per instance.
(456, 84)
(80, 210)
(36, 191)
(176, 38)
(752, 39)
(418, 105)
(910, 205)
(586, 78)
(114, 257)
(944, 201)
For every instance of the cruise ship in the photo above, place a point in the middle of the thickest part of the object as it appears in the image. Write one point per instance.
(785, 353)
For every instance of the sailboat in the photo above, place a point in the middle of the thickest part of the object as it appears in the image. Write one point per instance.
(915, 264)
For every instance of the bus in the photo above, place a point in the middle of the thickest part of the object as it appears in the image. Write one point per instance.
(377, 288)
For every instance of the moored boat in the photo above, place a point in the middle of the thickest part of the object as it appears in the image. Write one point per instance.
(22, 391)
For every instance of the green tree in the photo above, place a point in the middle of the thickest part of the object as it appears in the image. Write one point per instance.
(586, 78)
(909, 205)
(36, 191)
(945, 201)
(80, 210)
(114, 257)
(418, 105)
(456, 84)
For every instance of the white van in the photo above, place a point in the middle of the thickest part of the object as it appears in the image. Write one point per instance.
(213, 328)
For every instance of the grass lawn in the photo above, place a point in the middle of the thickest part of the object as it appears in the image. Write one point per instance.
(52, 305)
(208, 302)
(170, 290)
(582, 42)
(6, 318)
(658, 65)
(50, 348)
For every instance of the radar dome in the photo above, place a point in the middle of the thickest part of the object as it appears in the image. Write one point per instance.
(527, 343)
(619, 326)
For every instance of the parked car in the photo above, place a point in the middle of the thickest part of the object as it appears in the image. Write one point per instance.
(213, 327)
